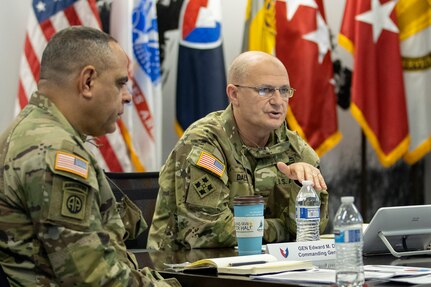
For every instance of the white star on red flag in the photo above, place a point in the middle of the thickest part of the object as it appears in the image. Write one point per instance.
(379, 18)
(320, 36)
(303, 45)
(292, 6)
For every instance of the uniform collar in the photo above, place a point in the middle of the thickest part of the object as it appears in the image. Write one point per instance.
(278, 141)
(43, 102)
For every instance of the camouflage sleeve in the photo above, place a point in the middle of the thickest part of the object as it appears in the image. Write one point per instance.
(275, 230)
(152, 278)
(78, 226)
(204, 216)
(196, 201)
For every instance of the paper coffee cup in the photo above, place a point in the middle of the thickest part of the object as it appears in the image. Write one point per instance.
(249, 223)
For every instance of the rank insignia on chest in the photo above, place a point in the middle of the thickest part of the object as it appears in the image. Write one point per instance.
(203, 186)
(71, 163)
(211, 163)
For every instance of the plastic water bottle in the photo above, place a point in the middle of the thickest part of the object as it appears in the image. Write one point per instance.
(348, 244)
(307, 213)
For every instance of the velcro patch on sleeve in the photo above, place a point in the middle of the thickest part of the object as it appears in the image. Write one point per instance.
(204, 186)
(211, 163)
(71, 163)
(74, 201)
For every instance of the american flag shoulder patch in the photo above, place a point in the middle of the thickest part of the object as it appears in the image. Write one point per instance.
(71, 163)
(211, 163)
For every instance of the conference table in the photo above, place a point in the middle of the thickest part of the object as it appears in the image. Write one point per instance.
(156, 259)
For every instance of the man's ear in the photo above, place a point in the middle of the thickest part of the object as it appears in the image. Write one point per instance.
(86, 80)
(232, 93)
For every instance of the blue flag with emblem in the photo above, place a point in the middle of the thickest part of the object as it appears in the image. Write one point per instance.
(201, 78)
(134, 25)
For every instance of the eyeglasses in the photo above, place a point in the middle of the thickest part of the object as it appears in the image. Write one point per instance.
(268, 91)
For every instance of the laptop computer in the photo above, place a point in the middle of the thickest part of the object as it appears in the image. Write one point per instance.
(399, 230)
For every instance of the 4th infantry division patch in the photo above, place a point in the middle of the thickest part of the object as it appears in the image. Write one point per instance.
(203, 186)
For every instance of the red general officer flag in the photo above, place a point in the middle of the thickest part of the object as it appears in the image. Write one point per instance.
(303, 45)
(369, 31)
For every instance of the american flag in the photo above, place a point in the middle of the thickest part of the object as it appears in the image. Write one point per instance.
(71, 163)
(211, 163)
(45, 19)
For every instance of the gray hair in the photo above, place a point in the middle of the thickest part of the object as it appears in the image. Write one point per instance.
(73, 48)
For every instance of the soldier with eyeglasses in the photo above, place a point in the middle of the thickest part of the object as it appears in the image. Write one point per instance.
(245, 149)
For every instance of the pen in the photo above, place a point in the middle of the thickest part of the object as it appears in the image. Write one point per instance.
(246, 263)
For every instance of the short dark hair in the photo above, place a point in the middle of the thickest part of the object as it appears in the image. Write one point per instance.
(71, 49)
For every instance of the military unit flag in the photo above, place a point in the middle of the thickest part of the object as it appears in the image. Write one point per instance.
(414, 22)
(259, 27)
(201, 78)
(369, 31)
(134, 24)
(303, 45)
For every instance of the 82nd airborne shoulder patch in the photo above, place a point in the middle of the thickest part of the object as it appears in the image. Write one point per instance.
(74, 200)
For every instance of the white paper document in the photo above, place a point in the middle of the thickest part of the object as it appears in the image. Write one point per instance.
(326, 276)
(404, 274)
(407, 274)
(398, 271)
(424, 279)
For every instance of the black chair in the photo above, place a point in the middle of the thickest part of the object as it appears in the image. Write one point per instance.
(142, 188)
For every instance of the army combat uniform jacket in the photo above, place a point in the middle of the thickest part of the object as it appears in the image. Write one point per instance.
(208, 167)
(59, 222)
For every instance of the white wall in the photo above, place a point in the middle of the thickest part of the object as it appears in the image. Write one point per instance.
(13, 23)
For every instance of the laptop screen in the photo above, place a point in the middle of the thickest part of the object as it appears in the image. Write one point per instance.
(407, 228)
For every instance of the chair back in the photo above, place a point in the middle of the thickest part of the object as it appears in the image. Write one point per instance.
(3, 278)
(142, 188)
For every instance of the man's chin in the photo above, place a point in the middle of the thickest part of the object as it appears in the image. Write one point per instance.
(275, 124)
(111, 130)
(108, 130)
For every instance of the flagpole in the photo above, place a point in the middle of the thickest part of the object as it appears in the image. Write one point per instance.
(364, 178)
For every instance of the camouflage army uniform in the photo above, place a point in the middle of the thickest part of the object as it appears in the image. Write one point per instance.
(195, 201)
(59, 222)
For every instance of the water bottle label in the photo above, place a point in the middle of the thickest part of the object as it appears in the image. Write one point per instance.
(347, 236)
(308, 212)
(249, 226)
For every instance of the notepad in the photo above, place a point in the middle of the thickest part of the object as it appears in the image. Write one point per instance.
(248, 265)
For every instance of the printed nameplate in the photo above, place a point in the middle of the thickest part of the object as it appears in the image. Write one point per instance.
(309, 250)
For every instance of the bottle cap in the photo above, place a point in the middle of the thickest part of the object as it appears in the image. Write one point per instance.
(306, 182)
(347, 199)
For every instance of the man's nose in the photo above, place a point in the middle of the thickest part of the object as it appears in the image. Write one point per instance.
(277, 98)
(127, 97)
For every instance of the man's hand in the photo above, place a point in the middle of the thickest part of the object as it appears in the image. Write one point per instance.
(303, 171)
